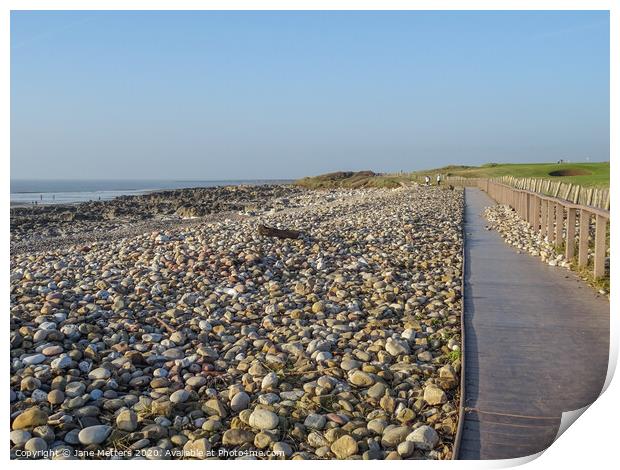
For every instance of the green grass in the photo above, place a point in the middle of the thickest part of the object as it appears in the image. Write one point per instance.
(454, 355)
(595, 174)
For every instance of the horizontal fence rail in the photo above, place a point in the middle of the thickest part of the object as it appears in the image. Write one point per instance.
(595, 197)
(558, 219)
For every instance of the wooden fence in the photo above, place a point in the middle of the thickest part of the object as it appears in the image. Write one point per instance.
(558, 220)
(594, 197)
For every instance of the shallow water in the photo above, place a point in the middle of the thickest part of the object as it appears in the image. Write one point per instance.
(71, 191)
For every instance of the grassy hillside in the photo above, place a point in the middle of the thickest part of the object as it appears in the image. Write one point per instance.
(349, 179)
(585, 174)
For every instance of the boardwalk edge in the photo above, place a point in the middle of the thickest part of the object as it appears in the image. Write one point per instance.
(459, 430)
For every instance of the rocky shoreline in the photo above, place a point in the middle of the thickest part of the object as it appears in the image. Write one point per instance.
(209, 340)
(33, 227)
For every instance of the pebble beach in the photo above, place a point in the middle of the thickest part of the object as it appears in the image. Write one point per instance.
(167, 327)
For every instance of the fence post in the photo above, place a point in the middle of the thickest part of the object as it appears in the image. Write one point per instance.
(599, 246)
(584, 234)
(550, 217)
(559, 224)
(527, 208)
(543, 217)
(570, 233)
(536, 212)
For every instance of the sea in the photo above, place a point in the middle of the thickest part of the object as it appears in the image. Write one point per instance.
(26, 192)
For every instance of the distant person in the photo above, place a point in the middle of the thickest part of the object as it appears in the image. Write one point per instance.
(41, 197)
(53, 197)
(427, 180)
(438, 180)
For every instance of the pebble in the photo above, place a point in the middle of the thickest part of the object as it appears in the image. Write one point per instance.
(433, 395)
(315, 421)
(263, 419)
(269, 381)
(424, 437)
(405, 449)
(19, 437)
(196, 382)
(361, 379)
(394, 435)
(202, 334)
(56, 397)
(30, 418)
(127, 420)
(283, 449)
(94, 434)
(344, 447)
(100, 373)
(180, 396)
(34, 359)
(396, 347)
(240, 401)
(35, 445)
(236, 437)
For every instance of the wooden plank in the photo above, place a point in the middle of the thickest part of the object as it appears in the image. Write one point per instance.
(536, 213)
(544, 205)
(559, 224)
(526, 207)
(550, 220)
(576, 196)
(584, 236)
(607, 198)
(571, 215)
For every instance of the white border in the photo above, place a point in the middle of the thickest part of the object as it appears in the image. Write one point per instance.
(591, 441)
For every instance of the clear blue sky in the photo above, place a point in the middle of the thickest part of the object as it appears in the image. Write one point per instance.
(213, 95)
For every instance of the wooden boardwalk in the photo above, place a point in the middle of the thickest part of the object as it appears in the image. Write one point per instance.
(536, 344)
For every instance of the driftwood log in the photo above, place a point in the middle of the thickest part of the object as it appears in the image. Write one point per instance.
(275, 232)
